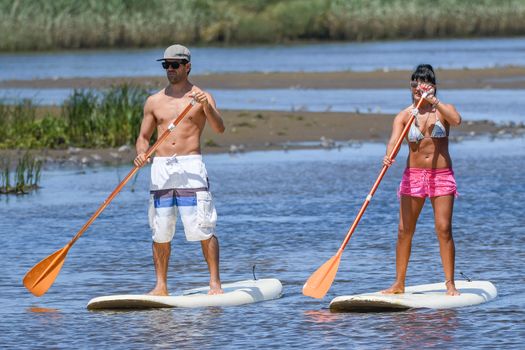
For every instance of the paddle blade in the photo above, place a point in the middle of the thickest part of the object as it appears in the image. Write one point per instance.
(40, 278)
(321, 280)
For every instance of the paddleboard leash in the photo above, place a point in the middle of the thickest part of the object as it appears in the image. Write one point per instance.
(465, 276)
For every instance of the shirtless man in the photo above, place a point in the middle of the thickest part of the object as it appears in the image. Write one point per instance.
(179, 181)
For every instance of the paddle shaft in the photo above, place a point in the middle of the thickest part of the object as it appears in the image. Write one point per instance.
(149, 153)
(382, 173)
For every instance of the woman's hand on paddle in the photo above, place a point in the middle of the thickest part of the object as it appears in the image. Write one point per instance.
(387, 161)
(141, 160)
(430, 90)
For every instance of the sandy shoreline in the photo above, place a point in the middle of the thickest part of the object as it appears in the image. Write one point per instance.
(270, 130)
(495, 78)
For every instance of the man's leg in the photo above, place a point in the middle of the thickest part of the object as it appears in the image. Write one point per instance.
(210, 250)
(161, 257)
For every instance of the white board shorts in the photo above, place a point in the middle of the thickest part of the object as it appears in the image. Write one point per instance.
(179, 184)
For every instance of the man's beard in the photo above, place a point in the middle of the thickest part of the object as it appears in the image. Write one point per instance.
(175, 79)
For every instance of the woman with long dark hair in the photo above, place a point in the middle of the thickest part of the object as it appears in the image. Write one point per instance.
(428, 174)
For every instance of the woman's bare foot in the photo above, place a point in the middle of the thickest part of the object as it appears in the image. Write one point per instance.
(451, 288)
(396, 288)
(215, 288)
(159, 290)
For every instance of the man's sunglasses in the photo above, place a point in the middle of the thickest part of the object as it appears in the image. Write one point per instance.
(174, 64)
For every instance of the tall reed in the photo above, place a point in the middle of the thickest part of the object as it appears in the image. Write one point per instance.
(89, 118)
(5, 177)
(104, 119)
(44, 25)
(20, 128)
(25, 177)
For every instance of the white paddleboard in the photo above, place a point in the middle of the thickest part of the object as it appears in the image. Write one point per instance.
(422, 296)
(238, 293)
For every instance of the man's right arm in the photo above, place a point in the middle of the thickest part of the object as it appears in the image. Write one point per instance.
(146, 130)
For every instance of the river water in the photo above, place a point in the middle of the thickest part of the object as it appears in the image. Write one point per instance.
(498, 105)
(287, 213)
(368, 56)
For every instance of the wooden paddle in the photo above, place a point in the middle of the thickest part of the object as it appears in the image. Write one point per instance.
(40, 278)
(321, 280)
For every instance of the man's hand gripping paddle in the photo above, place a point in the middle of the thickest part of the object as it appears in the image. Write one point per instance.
(321, 280)
(40, 278)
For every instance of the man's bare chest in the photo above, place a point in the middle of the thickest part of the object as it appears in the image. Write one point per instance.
(164, 115)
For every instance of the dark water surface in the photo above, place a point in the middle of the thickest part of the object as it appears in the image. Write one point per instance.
(286, 212)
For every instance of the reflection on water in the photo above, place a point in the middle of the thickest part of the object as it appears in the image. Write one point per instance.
(426, 329)
(37, 309)
(320, 316)
(287, 213)
(367, 56)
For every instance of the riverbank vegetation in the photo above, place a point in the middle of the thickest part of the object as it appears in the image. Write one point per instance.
(88, 118)
(24, 178)
(66, 24)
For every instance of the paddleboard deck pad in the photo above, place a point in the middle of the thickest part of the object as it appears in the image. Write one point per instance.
(237, 293)
(431, 296)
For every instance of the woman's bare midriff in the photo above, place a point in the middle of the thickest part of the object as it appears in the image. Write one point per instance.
(429, 153)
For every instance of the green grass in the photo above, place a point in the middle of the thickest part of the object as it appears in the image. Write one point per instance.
(210, 143)
(244, 125)
(19, 128)
(68, 24)
(23, 179)
(90, 119)
(109, 119)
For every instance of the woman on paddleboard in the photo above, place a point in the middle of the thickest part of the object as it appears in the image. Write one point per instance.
(428, 174)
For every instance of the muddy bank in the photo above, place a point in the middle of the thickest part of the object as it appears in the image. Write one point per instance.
(269, 130)
(495, 78)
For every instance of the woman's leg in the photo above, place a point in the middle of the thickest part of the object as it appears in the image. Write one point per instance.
(409, 210)
(443, 208)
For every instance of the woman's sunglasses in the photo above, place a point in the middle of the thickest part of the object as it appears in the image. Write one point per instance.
(173, 64)
(414, 84)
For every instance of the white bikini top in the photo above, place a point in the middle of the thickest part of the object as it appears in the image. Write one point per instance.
(438, 131)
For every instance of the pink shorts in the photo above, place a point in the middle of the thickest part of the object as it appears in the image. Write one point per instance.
(423, 182)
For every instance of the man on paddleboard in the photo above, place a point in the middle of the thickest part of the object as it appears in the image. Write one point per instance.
(179, 181)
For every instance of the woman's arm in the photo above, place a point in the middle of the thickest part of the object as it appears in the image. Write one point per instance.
(449, 113)
(397, 129)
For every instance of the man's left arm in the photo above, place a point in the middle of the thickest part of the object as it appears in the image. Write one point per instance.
(210, 110)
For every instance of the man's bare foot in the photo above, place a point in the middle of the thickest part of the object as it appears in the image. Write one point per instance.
(159, 291)
(396, 288)
(215, 288)
(451, 288)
